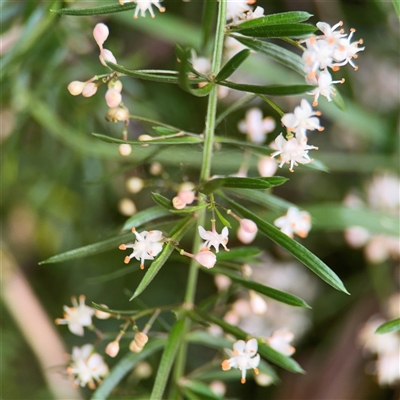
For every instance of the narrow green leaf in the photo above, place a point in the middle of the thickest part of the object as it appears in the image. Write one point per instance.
(224, 221)
(124, 367)
(239, 252)
(112, 8)
(290, 17)
(164, 131)
(201, 389)
(264, 350)
(137, 220)
(277, 53)
(396, 5)
(232, 65)
(176, 235)
(174, 340)
(187, 210)
(161, 200)
(300, 252)
(247, 183)
(272, 90)
(275, 294)
(155, 141)
(277, 30)
(389, 326)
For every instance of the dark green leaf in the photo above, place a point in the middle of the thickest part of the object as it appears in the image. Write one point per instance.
(154, 141)
(291, 17)
(112, 8)
(232, 65)
(247, 183)
(277, 53)
(389, 326)
(174, 340)
(275, 294)
(176, 235)
(239, 252)
(161, 200)
(300, 252)
(139, 219)
(124, 367)
(272, 90)
(224, 221)
(277, 31)
(264, 350)
(164, 131)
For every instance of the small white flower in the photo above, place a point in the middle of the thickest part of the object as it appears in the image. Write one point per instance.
(295, 221)
(266, 166)
(86, 367)
(280, 340)
(346, 50)
(303, 119)
(143, 5)
(147, 246)
(323, 81)
(257, 303)
(319, 55)
(237, 9)
(330, 34)
(387, 368)
(244, 356)
(77, 317)
(292, 151)
(212, 238)
(255, 126)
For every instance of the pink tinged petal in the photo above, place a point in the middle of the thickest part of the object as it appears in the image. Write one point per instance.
(100, 33)
(206, 258)
(113, 98)
(248, 225)
(89, 90)
(107, 55)
(245, 237)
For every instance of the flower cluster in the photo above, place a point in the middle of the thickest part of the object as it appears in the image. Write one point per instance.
(86, 366)
(294, 222)
(332, 50)
(244, 356)
(148, 245)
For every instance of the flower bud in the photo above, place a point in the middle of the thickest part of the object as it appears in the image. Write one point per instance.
(134, 184)
(267, 166)
(245, 237)
(113, 98)
(76, 87)
(112, 348)
(178, 204)
(116, 114)
(127, 207)
(89, 90)
(186, 196)
(222, 282)
(102, 314)
(156, 168)
(218, 387)
(116, 85)
(107, 55)
(134, 347)
(141, 339)
(206, 258)
(257, 303)
(143, 370)
(248, 225)
(100, 33)
(125, 149)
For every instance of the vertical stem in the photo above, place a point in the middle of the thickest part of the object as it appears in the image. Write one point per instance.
(204, 175)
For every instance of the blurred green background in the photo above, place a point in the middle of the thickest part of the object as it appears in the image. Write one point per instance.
(61, 187)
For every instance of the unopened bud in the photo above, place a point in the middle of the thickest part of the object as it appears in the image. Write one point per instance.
(102, 314)
(206, 258)
(100, 33)
(257, 303)
(222, 282)
(248, 225)
(156, 168)
(112, 348)
(113, 98)
(134, 347)
(134, 185)
(218, 387)
(125, 149)
(89, 90)
(76, 87)
(143, 370)
(245, 237)
(141, 339)
(116, 85)
(267, 166)
(178, 203)
(107, 55)
(186, 196)
(127, 207)
(116, 114)
(189, 186)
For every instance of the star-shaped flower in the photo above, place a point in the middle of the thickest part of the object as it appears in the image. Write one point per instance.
(295, 221)
(212, 238)
(255, 126)
(244, 356)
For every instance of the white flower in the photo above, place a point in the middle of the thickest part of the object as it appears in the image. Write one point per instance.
(346, 50)
(330, 34)
(280, 340)
(295, 221)
(243, 357)
(257, 13)
(255, 126)
(237, 9)
(257, 303)
(384, 192)
(319, 55)
(303, 119)
(387, 368)
(77, 317)
(266, 166)
(147, 246)
(143, 5)
(324, 82)
(292, 151)
(212, 238)
(86, 367)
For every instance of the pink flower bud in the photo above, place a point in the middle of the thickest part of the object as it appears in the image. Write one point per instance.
(178, 204)
(113, 98)
(106, 55)
(248, 225)
(116, 85)
(206, 258)
(141, 339)
(186, 196)
(134, 347)
(245, 237)
(89, 90)
(100, 33)
(125, 149)
(112, 348)
(102, 314)
(76, 87)
(267, 166)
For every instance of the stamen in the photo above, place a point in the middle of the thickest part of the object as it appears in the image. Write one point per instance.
(141, 266)
(127, 259)
(122, 247)
(243, 380)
